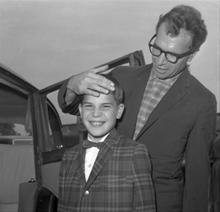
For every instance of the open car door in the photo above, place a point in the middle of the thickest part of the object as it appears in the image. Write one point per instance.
(16, 138)
(50, 141)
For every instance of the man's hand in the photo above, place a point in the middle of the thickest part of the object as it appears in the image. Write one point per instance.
(90, 82)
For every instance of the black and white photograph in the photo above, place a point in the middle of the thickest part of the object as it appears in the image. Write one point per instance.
(109, 106)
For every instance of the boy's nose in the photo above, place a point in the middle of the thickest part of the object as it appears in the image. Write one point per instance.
(96, 112)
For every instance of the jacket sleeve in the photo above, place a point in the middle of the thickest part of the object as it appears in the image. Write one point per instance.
(144, 196)
(197, 167)
(71, 108)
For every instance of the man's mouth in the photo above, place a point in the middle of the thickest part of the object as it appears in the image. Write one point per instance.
(161, 69)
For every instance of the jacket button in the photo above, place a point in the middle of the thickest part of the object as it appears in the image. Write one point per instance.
(86, 192)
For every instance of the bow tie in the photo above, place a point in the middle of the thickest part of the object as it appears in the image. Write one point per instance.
(88, 144)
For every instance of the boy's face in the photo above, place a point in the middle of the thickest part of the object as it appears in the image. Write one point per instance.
(99, 114)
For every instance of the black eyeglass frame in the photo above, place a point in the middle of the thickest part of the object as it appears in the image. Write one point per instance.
(178, 56)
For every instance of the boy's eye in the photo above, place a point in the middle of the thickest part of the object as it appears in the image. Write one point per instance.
(107, 106)
(87, 106)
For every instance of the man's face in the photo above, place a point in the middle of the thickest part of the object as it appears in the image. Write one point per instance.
(99, 114)
(177, 45)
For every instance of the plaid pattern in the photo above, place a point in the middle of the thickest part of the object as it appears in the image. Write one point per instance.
(120, 179)
(154, 92)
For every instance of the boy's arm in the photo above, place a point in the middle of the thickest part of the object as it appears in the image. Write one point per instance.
(144, 196)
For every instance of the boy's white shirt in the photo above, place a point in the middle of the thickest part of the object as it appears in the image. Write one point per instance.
(90, 156)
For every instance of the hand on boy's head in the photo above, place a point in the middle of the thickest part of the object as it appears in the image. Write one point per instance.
(91, 82)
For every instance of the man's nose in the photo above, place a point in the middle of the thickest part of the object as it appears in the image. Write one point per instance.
(162, 59)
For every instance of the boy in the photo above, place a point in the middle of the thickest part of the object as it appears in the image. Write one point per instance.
(114, 175)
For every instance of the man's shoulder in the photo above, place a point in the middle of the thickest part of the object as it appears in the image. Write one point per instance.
(129, 76)
(130, 71)
(198, 96)
(200, 90)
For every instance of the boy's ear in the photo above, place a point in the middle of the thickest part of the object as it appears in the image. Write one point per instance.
(120, 110)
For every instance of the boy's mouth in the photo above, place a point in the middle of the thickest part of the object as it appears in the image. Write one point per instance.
(96, 123)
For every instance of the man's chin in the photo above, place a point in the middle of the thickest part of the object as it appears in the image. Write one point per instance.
(160, 75)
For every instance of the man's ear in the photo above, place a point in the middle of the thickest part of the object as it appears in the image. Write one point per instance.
(190, 58)
(120, 110)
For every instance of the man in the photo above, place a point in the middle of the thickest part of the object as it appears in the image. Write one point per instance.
(167, 109)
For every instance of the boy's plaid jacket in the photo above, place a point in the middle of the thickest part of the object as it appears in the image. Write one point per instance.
(119, 181)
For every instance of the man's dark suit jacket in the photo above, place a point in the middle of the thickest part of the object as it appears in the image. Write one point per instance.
(119, 181)
(181, 128)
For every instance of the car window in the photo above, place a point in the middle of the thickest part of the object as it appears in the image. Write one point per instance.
(16, 145)
(51, 137)
(13, 113)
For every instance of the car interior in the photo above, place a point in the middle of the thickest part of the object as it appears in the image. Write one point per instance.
(16, 145)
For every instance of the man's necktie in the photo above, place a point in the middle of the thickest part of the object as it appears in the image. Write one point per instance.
(88, 144)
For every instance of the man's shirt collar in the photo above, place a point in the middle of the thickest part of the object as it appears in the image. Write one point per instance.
(168, 81)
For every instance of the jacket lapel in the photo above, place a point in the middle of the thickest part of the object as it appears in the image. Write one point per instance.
(173, 96)
(80, 160)
(132, 106)
(104, 155)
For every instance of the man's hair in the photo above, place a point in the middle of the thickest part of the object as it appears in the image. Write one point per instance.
(187, 18)
(118, 93)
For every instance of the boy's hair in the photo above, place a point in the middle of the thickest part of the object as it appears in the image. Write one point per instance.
(188, 18)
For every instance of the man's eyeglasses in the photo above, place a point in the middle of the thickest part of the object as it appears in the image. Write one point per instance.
(171, 57)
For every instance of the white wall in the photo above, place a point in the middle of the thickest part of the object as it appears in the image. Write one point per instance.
(46, 40)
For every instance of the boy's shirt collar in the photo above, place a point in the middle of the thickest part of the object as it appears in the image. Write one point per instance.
(112, 137)
(89, 137)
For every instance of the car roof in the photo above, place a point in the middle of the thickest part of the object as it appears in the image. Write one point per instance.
(14, 80)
